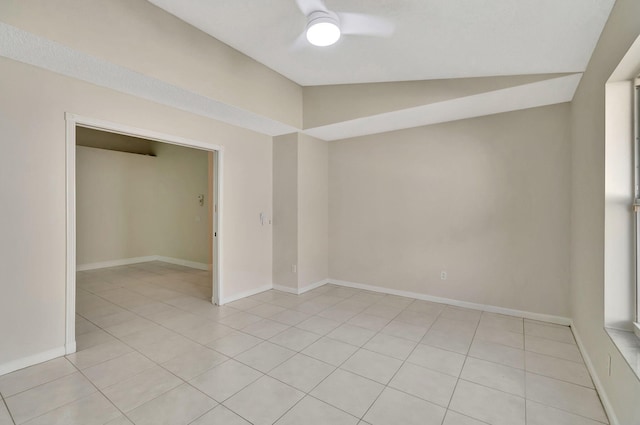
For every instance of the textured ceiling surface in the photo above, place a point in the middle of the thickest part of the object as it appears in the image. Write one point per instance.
(433, 39)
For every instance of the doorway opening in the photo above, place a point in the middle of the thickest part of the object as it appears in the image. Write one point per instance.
(142, 208)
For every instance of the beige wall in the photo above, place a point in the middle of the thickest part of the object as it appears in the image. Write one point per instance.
(142, 37)
(313, 220)
(183, 224)
(285, 210)
(116, 204)
(300, 215)
(622, 388)
(486, 199)
(32, 188)
(336, 103)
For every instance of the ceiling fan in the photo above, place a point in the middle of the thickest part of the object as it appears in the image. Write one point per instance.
(325, 27)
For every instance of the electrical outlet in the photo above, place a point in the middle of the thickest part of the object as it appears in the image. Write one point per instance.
(294, 268)
(443, 275)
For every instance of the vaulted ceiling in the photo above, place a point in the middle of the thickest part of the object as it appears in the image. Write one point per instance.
(432, 39)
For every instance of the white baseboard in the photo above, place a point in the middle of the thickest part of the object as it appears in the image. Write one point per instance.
(115, 263)
(303, 289)
(608, 408)
(136, 260)
(465, 304)
(225, 300)
(312, 286)
(31, 360)
(186, 263)
(285, 289)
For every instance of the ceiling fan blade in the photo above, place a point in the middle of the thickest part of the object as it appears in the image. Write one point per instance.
(299, 43)
(360, 24)
(309, 6)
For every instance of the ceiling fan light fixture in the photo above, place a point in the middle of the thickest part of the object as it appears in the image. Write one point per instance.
(323, 29)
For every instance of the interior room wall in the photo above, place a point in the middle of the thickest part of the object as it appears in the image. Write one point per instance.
(342, 102)
(116, 204)
(183, 227)
(621, 388)
(487, 200)
(33, 189)
(313, 210)
(146, 39)
(285, 211)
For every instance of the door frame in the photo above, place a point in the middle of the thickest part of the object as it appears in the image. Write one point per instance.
(74, 120)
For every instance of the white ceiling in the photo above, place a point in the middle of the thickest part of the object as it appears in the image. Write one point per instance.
(433, 39)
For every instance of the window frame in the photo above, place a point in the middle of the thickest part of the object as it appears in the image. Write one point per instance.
(636, 200)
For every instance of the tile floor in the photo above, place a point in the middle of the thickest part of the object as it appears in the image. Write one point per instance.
(153, 350)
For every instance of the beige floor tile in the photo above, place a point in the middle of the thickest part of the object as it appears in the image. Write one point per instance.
(302, 372)
(98, 354)
(425, 383)
(553, 348)
(349, 392)
(383, 310)
(549, 331)
(395, 407)
(194, 362)
(351, 334)
(330, 351)
(239, 320)
(488, 405)
(24, 379)
(429, 307)
(91, 339)
(318, 325)
(264, 401)
(502, 322)
(290, 317)
(207, 332)
(454, 418)
(337, 314)
(405, 330)
(122, 420)
(265, 356)
(5, 418)
(220, 415)
(265, 328)
(234, 343)
(459, 313)
(92, 410)
(119, 369)
(368, 321)
(563, 395)
(179, 406)
(375, 366)
(553, 367)
(539, 414)
(44, 398)
(417, 318)
(225, 380)
(494, 375)
(499, 336)
(437, 359)
(392, 346)
(166, 349)
(497, 353)
(266, 310)
(458, 341)
(295, 339)
(141, 388)
(136, 324)
(311, 411)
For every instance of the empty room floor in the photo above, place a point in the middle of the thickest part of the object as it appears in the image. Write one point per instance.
(153, 350)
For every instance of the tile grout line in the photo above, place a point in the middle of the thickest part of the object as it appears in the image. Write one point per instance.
(6, 406)
(359, 347)
(455, 387)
